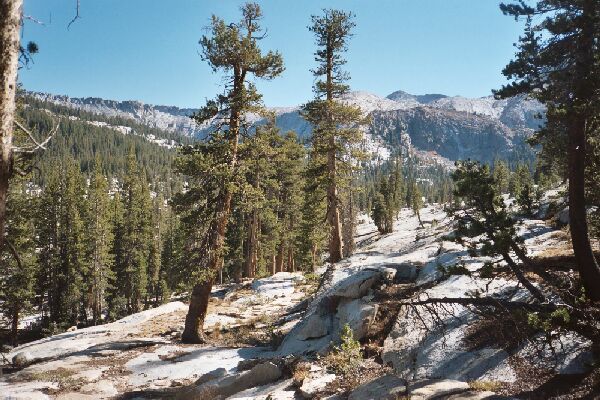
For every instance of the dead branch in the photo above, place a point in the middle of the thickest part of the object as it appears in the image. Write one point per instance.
(34, 20)
(76, 17)
(486, 302)
(14, 252)
(38, 145)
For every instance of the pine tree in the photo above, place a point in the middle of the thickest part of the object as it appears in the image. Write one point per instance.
(501, 176)
(19, 266)
(137, 235)
(335, 134)
(485, 215)
(259, 199)
(47, 241)
(69, 296)
(99, 242)
(289, 170)
(314, 235)
(157, 286)
(557, 63)
(416, 200)
(212, 164)
(116, 301)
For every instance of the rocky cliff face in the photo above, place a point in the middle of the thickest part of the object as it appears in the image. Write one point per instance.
(452, 134)
(453, 127)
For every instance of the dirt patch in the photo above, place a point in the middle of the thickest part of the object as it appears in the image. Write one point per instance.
(163, 324)
(505, 330)
(538, 384)
(63, 377)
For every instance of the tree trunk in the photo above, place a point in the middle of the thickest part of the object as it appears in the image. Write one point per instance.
(419, 218)
(522, 279)
(333, 212)
(273, 265)
(14, 331)
(313, 256)
(589, 270)
(279, 259)
(10, 24)
(194, 321)
(290, 261)
(251, 256)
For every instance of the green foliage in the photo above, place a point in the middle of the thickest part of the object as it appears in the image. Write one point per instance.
(549, 322)
(388, 198)
(19, 266)
(99, 242)
(134, 238)
(335, 134)
(501, 177)
(345, 358)
(216, 168)
(82, 136)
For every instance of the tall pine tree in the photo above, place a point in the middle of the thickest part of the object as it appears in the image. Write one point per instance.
(212, 165)
(335, 135)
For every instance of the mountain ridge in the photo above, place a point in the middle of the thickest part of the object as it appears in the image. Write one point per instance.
(460, 122)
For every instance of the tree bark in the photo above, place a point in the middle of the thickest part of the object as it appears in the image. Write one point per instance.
(313, 256)
(194, 321)
(522, 279)
(589, 270)
(10, 24)
(14, 330)
(279, 259)
(333, 212)
(291, 267)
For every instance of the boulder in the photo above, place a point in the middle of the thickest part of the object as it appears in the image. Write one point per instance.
(282, 390)
(22, 359)
(477, 396)
(314, 383)
(101, 389)
(432, 389)
(358, 285)
(389, 387)
(562, 217)
(404, 272)
(209, 376)
(334, 307)
(315, 326)
(358, 314)
(226, 386)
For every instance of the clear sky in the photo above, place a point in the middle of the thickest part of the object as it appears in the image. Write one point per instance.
(148, 50)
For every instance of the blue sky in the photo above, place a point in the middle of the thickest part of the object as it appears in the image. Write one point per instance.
(148, 50)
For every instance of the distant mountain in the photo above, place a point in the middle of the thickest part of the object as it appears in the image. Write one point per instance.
(167, 118)
(451, 127)
(400, 96)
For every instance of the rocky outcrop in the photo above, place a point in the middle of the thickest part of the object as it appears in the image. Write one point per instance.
(391, 387)
(215, 385)
(388, 387)
(346, 301)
